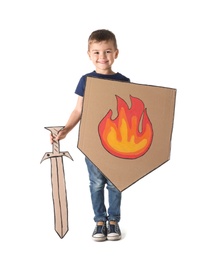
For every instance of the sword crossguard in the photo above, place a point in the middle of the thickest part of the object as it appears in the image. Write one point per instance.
(55, 146)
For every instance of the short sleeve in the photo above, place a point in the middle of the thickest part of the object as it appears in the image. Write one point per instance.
(81, 86)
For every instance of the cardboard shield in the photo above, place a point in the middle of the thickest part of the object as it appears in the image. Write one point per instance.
(126, 128)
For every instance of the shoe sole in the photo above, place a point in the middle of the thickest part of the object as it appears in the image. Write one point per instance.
(99, 239)
(113, 238)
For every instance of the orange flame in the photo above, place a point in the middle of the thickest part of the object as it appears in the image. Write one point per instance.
(130, 134)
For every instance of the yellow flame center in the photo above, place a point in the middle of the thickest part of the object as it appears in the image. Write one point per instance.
(124, 145)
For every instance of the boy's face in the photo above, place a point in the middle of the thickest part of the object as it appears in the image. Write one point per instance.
(103, 54)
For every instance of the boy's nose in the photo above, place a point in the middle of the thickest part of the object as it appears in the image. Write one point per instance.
(102, 55)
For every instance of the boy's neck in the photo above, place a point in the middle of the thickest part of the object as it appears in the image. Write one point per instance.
(105, 72)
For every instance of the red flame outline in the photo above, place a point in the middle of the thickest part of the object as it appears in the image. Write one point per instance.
(137, 110)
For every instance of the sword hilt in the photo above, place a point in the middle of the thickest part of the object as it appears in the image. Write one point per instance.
(55, 145)
(54, 131)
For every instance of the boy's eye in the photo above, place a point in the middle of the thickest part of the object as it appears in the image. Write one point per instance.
(97, 52)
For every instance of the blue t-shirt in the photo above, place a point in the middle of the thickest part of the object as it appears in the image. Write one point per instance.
(82, 82)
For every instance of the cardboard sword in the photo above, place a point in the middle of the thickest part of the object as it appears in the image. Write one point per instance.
(58, 183)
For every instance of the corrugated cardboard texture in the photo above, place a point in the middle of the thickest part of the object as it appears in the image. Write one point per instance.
(100, 97)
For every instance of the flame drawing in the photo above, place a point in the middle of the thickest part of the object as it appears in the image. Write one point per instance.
(130, 134)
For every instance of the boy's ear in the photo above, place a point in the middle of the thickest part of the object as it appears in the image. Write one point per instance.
(89, 54)
(116, 54)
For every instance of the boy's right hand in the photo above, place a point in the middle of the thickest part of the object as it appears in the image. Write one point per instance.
(61, 135)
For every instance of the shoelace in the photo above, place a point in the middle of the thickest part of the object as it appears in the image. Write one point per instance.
(113, 228)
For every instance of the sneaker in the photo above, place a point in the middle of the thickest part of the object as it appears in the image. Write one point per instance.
(113, 232)
(100, 232)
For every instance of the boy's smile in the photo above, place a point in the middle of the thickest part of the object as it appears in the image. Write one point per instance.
(103, 54)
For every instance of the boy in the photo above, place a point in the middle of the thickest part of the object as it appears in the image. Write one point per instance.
(102, 51)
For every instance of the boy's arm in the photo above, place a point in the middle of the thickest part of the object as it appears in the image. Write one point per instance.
(72, 121)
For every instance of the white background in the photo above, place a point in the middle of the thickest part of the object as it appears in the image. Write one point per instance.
(169, 214)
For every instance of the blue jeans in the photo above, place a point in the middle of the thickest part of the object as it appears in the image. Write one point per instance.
(97, 185)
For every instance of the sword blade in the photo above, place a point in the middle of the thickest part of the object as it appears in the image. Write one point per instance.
(59, 196)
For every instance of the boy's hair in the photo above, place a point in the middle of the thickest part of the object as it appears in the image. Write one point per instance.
(102, 35)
